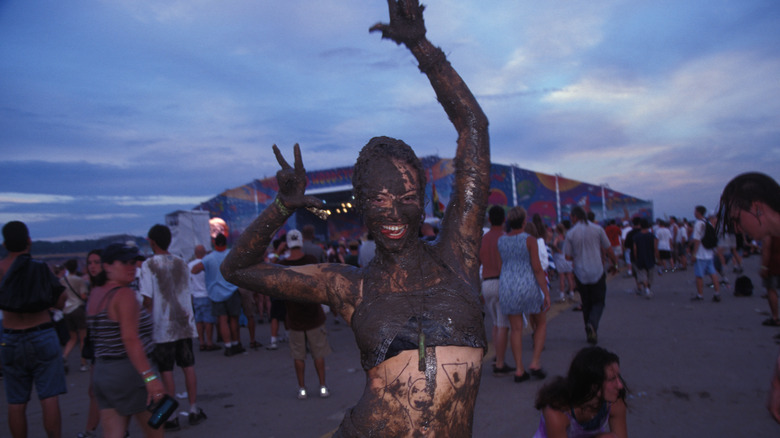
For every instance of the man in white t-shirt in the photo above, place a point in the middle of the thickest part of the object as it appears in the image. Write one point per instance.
(703, 258)
(664, 236)
(164, 285)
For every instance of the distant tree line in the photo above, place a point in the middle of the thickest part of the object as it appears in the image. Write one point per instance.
(56, 252)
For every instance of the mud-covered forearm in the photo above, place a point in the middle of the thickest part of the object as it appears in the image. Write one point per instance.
(452, 92)
(249, 249)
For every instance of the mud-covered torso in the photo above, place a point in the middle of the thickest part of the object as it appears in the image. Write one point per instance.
(386, 323)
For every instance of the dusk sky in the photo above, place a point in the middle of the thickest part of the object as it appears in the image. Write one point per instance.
(114, 113)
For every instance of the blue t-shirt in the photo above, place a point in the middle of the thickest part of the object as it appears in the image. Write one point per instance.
(218, 288)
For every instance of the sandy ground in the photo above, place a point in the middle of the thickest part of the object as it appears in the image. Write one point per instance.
(694, 369)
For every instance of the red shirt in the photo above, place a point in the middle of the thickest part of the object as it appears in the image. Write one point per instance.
(613, 234)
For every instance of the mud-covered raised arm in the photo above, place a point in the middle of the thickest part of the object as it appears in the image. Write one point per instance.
(462, 224)
(244, 266)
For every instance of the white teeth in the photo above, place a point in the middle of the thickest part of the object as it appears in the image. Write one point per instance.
(393, 227)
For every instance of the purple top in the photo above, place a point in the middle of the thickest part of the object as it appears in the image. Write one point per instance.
(599, 424)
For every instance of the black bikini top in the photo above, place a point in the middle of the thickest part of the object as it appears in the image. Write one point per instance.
(387, 323)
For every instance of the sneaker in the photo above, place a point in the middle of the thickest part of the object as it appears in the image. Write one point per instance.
(716, 298)
(302, 394)
(87, 434)
(229, 351)
(272, 346)
(196, 418)
(648, 293)
(238, 349)
(697, 297)
(324, 393)
(172, 425)
(592, 337)
(84, 368)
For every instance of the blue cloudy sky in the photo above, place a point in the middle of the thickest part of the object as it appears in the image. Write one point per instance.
(114, 113)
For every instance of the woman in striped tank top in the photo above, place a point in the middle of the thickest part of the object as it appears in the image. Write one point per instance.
(124, 379)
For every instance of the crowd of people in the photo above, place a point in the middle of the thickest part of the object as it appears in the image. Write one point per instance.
(414, 306)
(166, 302)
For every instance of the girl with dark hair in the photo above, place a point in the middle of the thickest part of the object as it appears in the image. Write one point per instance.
(97, 277)
(414, 309)
(589, 402)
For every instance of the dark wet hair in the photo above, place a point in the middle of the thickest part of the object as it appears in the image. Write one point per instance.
(16, 236)
(383, 148)
(496, 215)
(742, 191)
(161, 235)
(585, 379)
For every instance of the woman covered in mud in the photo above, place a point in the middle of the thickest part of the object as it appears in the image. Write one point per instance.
(414, 309)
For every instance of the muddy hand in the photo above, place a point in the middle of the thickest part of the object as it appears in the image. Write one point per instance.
(406, 22)
(292, 182)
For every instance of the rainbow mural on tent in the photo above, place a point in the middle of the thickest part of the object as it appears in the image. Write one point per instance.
(551, 196)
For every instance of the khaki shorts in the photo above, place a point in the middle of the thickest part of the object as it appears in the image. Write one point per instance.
(644, 276)
(315, 340)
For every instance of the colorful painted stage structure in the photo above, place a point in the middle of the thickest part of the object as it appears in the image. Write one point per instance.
(552, 196)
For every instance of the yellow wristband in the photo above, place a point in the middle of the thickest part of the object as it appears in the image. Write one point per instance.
(284, 210)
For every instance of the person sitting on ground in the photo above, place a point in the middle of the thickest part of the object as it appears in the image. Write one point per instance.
(589, 402)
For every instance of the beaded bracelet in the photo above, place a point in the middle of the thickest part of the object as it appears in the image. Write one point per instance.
(284, 210)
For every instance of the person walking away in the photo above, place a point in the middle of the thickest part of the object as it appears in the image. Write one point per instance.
(703, 256)
(491, 272)
(164, 285)
(30, 350)
(225, 299)
(523, 290)
(584, 247)
(646, 252)
(664, 237)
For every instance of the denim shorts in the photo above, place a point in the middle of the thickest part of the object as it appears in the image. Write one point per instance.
(229, 307)
(32, 357)
(704, 267)
(202, 310)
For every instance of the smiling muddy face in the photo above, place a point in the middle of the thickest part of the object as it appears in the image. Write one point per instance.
(389, 183)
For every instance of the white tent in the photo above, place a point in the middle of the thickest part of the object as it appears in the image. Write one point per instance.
(188, 229)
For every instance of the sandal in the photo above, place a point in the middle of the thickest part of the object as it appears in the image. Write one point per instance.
(538, 373)
(771, 322)
(255, 344)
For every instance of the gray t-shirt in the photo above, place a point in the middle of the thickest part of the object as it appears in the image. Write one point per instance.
(583, 244)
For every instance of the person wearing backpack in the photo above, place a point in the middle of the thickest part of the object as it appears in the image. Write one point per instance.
(703, 245)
